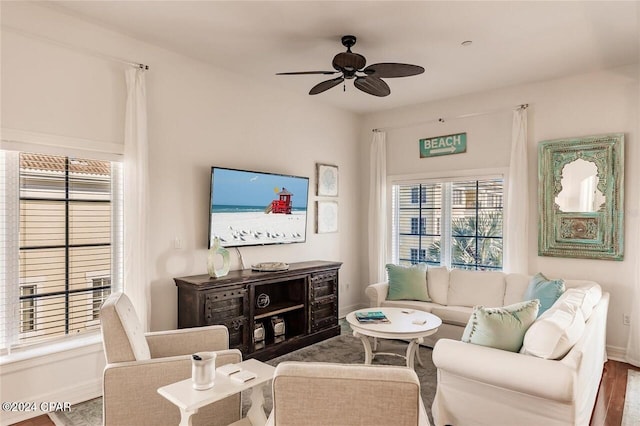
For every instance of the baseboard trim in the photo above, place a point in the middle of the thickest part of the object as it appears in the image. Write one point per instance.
(617, 353)
(72, 394)
(344, 310)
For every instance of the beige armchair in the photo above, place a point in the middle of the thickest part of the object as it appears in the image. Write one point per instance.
(139, 363)
(320, 394)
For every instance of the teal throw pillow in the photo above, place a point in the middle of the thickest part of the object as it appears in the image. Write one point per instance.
(408, 282)
(545, 290)
(501, 328)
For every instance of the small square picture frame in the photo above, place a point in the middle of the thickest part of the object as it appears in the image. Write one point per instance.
(326, 217)
(326, 180)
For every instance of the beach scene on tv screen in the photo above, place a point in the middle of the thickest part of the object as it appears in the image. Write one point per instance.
(252, 208)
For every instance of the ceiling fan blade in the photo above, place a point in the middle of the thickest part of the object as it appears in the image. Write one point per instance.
(391, 70)
(325, 85)
(307, 72)
(372, 85)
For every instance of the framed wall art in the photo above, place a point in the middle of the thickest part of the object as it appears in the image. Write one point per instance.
(326, 217)
(326, 180)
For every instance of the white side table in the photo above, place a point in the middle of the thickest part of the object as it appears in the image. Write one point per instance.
(189, 400)
(400, 327)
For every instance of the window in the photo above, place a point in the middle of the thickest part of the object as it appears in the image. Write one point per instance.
(418, 226)
(102, 289)
(68, 228)
(418, 255)
(453, 223)
(418, 195)
(27, 308)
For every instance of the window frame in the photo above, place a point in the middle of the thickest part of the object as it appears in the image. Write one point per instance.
(445, 223)
(10, 339)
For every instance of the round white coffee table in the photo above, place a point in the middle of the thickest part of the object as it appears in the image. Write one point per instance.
(404, 324)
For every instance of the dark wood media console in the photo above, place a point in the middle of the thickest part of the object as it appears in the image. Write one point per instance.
(305, 297)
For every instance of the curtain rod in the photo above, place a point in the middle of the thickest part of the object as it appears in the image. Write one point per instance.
(443, 120)
(76, 48)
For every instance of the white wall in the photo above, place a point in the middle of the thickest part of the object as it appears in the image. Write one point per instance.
(603, 102)
(199, 116)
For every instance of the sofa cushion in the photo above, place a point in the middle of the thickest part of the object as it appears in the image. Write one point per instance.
(545, 290)
(584, 297)
(438, 283)
(593, 294)
(501, 328)
(470, 288)
(455, 315)
(556, 331)
(516, 285)
(410, 304)
(408, 282)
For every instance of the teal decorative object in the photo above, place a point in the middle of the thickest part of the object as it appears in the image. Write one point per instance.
(545, 290)
(408, 282)
(501, 328)
(215, 250)
(581, 197)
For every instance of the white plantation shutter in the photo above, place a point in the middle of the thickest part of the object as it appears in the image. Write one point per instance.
(9, 220)
(418, 209)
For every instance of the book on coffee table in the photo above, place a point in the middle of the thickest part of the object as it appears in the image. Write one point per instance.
(243, 376)
(372, 317)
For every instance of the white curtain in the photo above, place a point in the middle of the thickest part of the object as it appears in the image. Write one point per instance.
(516, 232)
(633, 342)
(136, 281)
(378, 208)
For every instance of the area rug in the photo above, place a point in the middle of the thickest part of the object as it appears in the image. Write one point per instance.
(88, 413)
(631, 413)
(340, 349)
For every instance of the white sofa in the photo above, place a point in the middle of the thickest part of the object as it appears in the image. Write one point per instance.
(478, 385)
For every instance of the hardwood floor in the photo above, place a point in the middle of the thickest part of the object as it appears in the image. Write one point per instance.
(610, 400)
(607, 411)
(42, 420)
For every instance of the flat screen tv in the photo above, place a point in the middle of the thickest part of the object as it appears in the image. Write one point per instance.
(249, 208)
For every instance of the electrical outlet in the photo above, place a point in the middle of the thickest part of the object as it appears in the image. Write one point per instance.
(626, 319)
(177, 243)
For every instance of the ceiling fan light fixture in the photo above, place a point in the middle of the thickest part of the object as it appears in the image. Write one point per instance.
(349, 61)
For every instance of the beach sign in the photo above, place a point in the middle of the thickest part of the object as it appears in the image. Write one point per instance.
(443, 145)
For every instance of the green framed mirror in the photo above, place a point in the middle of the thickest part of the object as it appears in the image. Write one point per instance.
(581, 197)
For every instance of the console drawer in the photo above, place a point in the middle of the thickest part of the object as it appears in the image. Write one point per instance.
(324, 314)
(323, 285)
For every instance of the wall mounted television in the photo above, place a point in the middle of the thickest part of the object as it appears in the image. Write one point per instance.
(249, 208)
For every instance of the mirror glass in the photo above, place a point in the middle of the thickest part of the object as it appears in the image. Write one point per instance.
(580, 191)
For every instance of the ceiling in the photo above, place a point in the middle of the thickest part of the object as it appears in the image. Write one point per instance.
(513, 42)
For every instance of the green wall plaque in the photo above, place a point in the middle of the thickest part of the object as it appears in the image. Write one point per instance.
(581, 197)
(443, 145)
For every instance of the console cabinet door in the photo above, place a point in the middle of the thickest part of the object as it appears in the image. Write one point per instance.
(323, 300)
(229, 307)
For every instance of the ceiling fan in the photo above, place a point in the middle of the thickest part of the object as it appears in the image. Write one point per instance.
(351, 65)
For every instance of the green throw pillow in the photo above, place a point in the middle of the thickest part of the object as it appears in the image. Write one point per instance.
(501, 328)
(408, 282)
(545, 290)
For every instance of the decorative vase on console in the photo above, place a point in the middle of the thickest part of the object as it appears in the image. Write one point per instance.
(217, 249)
